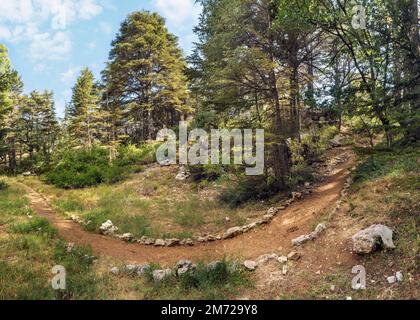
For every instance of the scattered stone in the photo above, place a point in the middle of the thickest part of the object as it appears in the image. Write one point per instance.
(337, 141)
(184, 266)
(366, 241)
(285, 269)
(136, 270)
(183, 174)
(172, 242)
(108, 228)
(266, 258)
(273, 211)
(70, 247)
(250, 265)
(146, 240)
(160, 243)
(297, 195)
(399, 276)
(294, 256)
(282, 259)
(307, 184)
(160, 275)
(232, 232)
(187, 242)
(127, 237)
(312, 236)
(332, 287)
(391, 279)
(115, 271)
(349, 298)
(27, 174)
(267, 218)
(227, 219)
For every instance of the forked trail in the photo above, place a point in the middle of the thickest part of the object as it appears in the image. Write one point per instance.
(274, 237)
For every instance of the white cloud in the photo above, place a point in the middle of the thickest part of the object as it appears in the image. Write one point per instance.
(25, 20)
(177, 12)
(69, 77)
(51, 46)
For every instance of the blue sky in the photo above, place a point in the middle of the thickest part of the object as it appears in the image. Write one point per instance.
(50, 41)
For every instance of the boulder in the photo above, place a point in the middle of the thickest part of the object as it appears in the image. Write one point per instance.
(250, 265)
(232, 232)
(368, 240)
(108, 228)
(160, 275)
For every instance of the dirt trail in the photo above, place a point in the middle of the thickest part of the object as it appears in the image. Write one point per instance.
(275, 237)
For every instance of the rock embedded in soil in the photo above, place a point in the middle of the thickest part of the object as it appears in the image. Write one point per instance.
(160, 275)
(266, 258)
(172, 242)
(108, 228)
(312, 236)
(368, 240)
(184, 266)
(282, 259)
(232, 232)
(250, 265)
(127, 237)
(391, 280)
(399, 276)
(115, 271)
(160, 243)
(293, 256)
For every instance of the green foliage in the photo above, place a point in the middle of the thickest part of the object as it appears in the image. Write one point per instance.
(249, 189)
(218, 281)
(3, 185)
(83, 168)
(35, 225)
(387, 162)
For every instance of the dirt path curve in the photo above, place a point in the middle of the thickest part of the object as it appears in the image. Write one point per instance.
(275, 237)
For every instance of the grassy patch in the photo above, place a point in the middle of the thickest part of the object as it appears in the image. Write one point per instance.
(216, 283)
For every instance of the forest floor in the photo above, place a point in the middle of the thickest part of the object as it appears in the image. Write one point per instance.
(385, 191)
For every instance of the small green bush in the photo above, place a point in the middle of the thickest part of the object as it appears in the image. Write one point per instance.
(251, 188)
(3, 185)
(83, 168)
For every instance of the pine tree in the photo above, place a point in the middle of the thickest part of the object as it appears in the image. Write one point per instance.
(145, 77)
(83, 111)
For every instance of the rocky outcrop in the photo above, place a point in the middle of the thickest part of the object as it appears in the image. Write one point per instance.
(368, 240)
